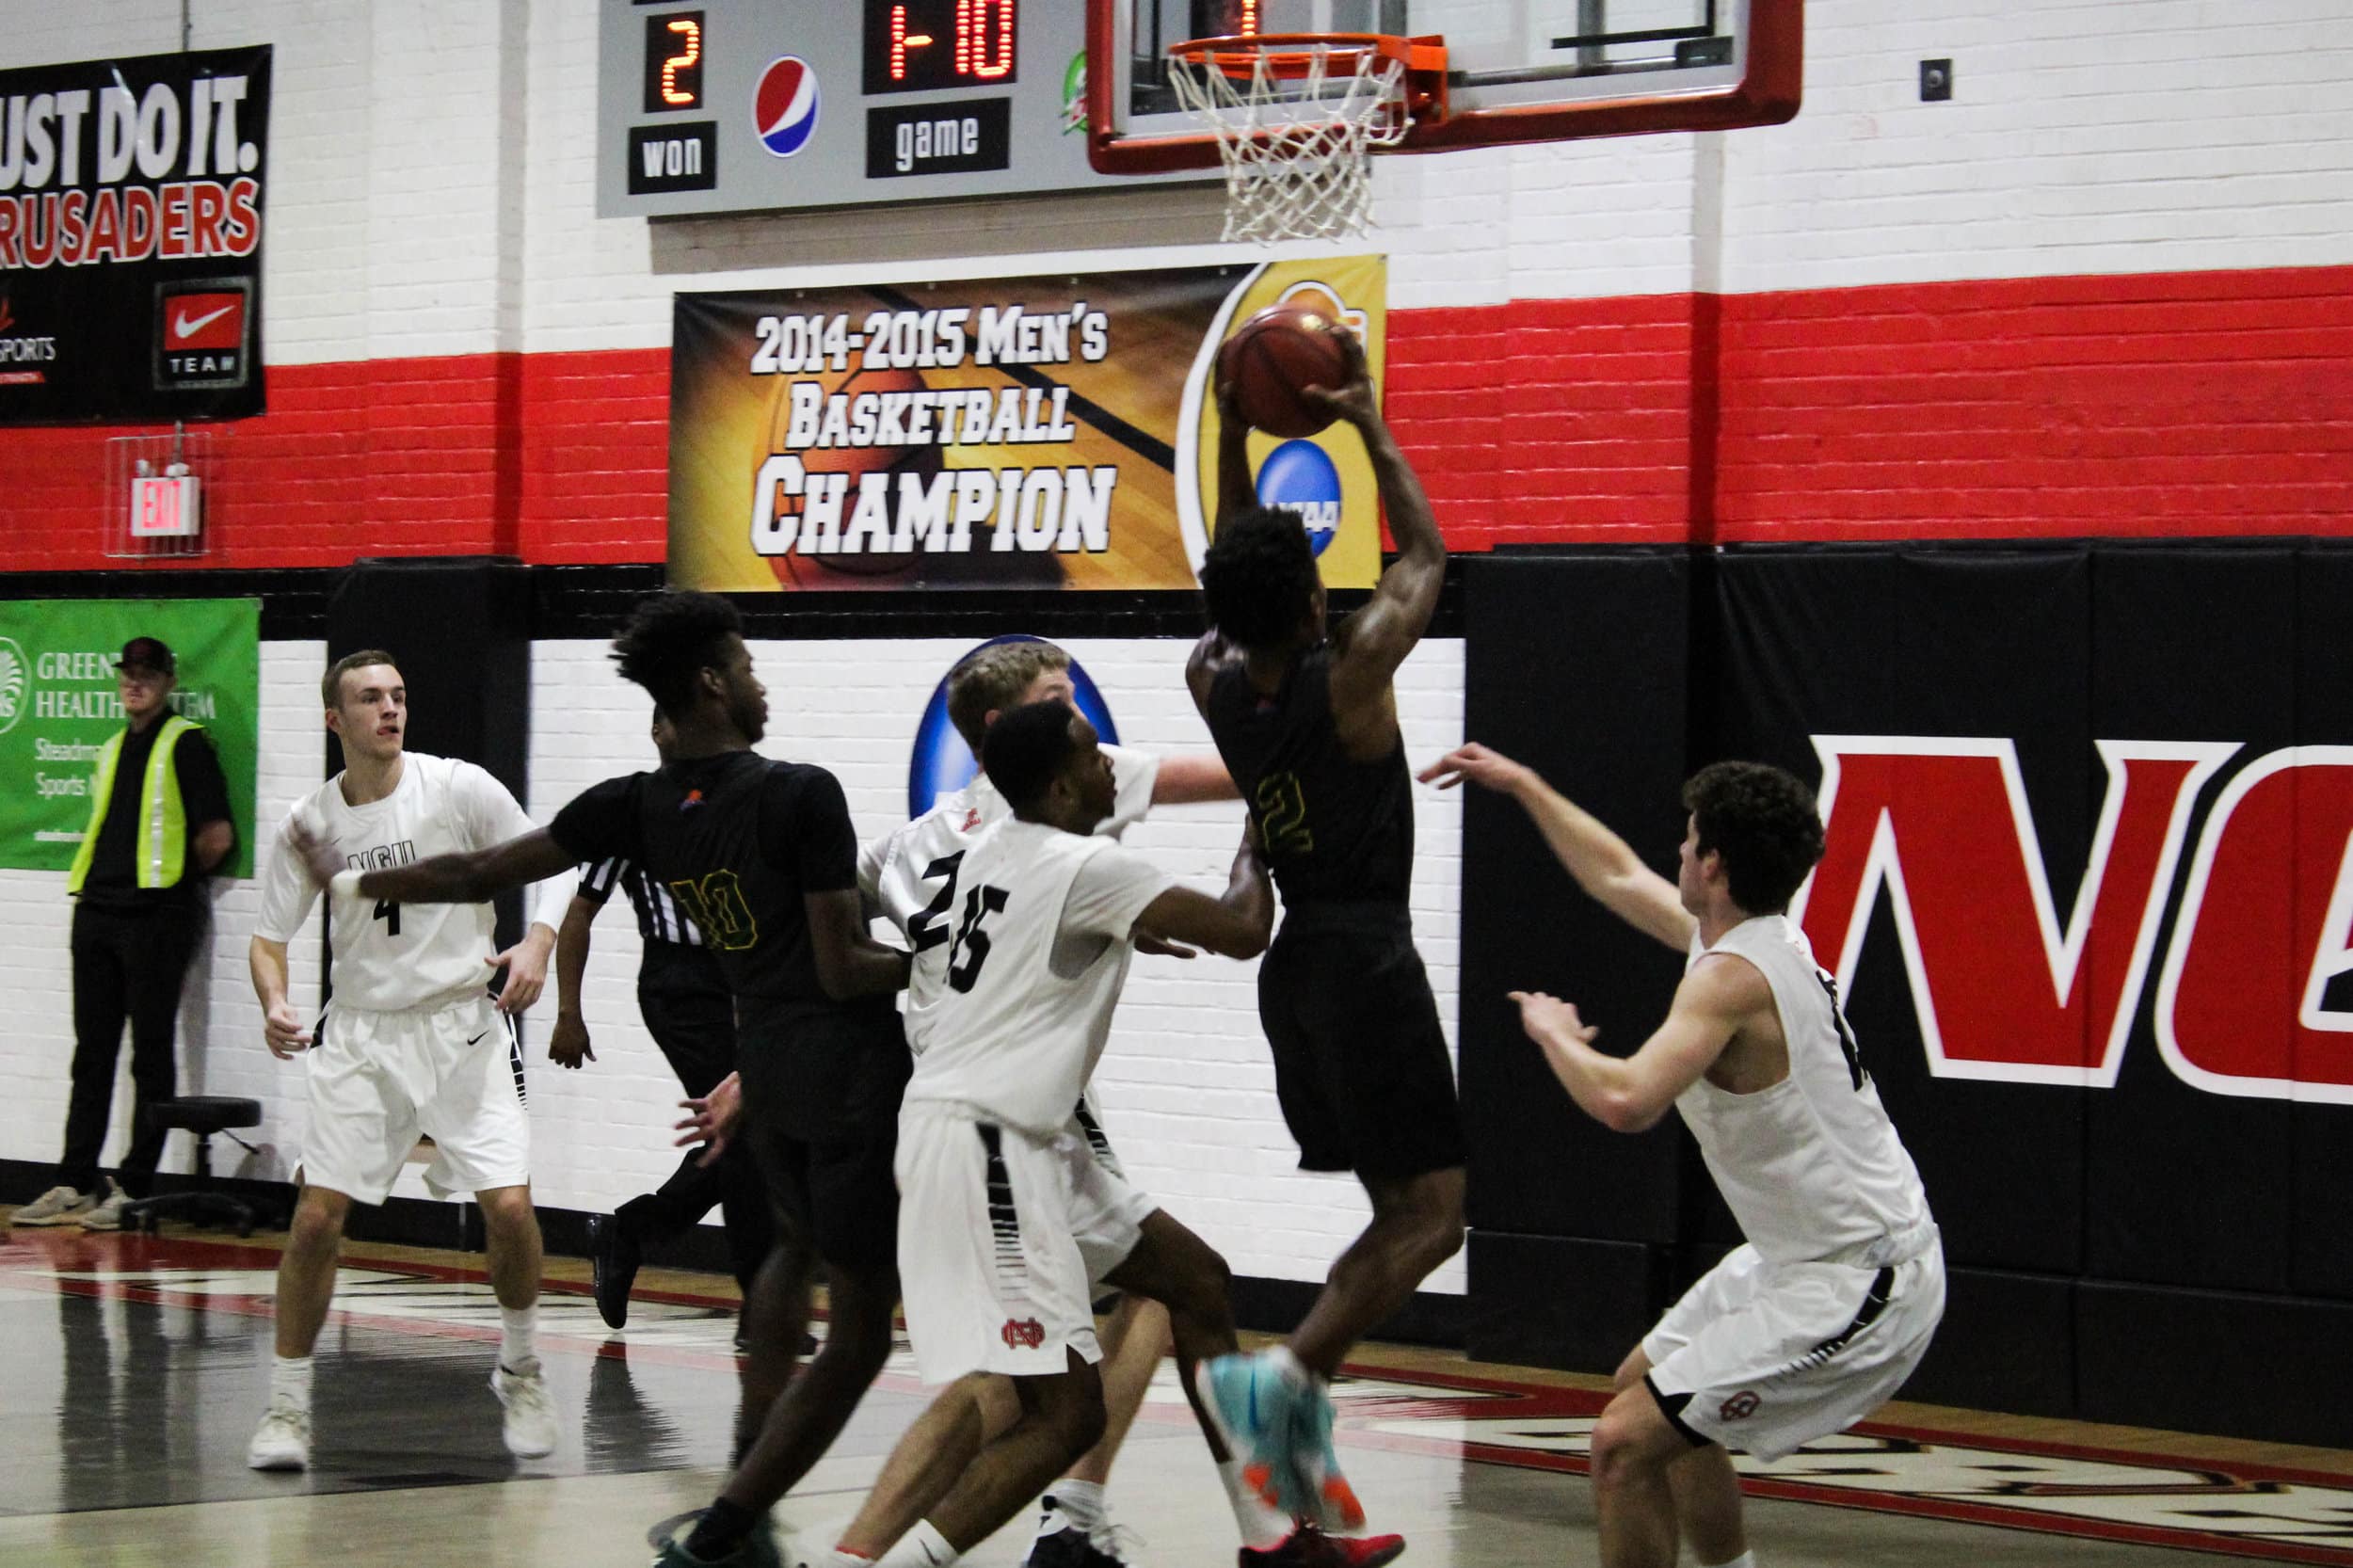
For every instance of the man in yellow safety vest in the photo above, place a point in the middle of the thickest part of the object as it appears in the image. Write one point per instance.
(159, 822)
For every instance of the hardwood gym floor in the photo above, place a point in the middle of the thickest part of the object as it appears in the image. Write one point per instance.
(132, 1371)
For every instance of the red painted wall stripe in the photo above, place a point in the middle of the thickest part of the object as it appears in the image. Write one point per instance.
(2205, 404)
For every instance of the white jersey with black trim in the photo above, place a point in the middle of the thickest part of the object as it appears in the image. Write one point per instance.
(1811, 1167)
(1030, 974)
(390, 957)
(909, 874)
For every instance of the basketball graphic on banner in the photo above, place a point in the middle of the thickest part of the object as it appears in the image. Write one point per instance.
(784, 105)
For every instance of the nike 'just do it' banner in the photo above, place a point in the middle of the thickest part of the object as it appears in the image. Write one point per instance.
(131, 198)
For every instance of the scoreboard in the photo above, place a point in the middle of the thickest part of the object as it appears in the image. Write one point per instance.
(750, 105)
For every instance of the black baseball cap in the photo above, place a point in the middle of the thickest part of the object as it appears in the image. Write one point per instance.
(148, 653)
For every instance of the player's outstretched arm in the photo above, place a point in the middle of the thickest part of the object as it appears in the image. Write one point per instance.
(1604, 864)
(1190, 778)
(468, 877)
(1376, 639)
(849, 962)
(1235, 489)
(567, 1046)
(1238, 923)
(1631, 1094)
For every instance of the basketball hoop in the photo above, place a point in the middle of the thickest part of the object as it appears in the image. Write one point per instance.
(1297, 116)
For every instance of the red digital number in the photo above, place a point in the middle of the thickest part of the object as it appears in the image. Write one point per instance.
(984, 41)
(902, 40)
(689, 34)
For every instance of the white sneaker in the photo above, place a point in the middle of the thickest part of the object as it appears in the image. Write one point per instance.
(282, 1441)
(109, 1214)
(59, 1205)
(530, 1412)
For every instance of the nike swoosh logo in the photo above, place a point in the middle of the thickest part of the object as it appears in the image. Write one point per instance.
(477, 1039)
(187, 327)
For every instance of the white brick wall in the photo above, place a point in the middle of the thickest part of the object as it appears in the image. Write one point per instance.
(1190, 1091)
(432, 190)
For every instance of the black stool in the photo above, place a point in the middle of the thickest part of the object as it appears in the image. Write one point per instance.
(202, 1114)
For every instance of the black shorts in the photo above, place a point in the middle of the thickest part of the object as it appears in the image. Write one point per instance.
(1360, 1062)
(821, 1113)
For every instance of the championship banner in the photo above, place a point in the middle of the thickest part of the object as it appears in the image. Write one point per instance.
(58, 705)
(131, 196)
(1025, 432)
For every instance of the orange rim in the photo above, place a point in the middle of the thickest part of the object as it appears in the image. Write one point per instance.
(1288, 56)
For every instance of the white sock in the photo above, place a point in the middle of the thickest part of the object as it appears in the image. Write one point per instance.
(290, 1379)
(1262, 1527)
(1292, 1369)
(921, 1547)
(519, 1335)
(1746, 1559)
(1080, 1501)
(839, 1559)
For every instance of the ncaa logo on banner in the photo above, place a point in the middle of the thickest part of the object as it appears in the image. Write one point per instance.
(942, 764)
(1299, 477)
(784, 105)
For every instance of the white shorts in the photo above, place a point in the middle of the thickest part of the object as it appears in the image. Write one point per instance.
(1765, 1357)
(379, 1079)
(1106, 1214)
(1002, 1238)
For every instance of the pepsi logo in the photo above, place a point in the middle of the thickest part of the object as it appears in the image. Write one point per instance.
(784, 105)
(1299, 476)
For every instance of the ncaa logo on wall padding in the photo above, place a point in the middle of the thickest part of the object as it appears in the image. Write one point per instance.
(942, 764)
(784, 105)
(1299, 476)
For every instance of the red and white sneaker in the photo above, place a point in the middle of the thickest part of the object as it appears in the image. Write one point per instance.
(1309, 1547)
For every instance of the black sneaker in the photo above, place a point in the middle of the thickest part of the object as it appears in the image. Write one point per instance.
(1069, 1546)
(612, 1260)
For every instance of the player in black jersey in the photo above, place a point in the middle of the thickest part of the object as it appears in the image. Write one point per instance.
(1307, 722)
(763, 858)
(689, 1011)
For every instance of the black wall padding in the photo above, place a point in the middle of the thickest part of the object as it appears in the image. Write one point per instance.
(2186, 1187)
(2008, 1343)
(1576, 666)
(2320, 1256)
(2216, 1361)
(1989, 645)
(1553, 1300)
(460, 628)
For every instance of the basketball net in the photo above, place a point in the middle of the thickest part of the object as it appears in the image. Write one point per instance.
(1296, 139)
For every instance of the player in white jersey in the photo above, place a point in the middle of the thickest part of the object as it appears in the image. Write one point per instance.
(908, 875)
(1817, 1318)
(412, 1043)
(1007, 1221)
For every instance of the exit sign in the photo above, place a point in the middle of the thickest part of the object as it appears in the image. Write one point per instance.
(165, 508)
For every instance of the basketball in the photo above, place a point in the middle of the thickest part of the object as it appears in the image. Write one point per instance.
(1270, 357)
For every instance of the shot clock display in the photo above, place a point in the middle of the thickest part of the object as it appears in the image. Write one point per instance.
(782, 106)
(926, 45)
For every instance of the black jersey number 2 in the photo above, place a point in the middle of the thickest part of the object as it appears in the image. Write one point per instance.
(1283, 815)
(970, 948)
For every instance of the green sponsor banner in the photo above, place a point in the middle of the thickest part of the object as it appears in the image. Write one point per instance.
(58, 704)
